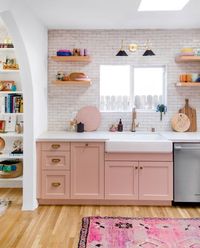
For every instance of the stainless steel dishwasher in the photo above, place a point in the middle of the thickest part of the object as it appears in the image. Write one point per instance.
(187, 172)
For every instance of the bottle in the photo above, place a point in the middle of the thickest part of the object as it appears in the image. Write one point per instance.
(85, 52)
(120, 126)
(21, 126)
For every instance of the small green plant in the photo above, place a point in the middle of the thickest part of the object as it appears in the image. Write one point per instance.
(162, 109)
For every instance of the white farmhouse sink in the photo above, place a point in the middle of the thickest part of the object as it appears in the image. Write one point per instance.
(138, 142)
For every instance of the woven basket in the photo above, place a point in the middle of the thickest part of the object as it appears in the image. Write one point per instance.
(11, 168)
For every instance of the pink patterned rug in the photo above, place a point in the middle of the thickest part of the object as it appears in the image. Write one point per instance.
(120, 232)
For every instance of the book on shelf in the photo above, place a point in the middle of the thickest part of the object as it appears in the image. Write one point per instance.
(13, 103)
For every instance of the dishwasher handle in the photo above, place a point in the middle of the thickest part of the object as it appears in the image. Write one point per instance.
(179, 147)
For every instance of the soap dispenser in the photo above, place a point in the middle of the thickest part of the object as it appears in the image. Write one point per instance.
(120, 126)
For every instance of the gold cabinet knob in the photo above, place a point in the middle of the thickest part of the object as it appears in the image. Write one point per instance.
(55, 160)
(55, 146)
(55, 184)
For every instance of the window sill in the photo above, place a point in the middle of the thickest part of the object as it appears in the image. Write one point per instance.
(129, 111)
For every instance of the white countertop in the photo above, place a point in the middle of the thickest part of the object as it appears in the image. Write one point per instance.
(103, 136)
(182, 137)
(152, 142)
(74, 136)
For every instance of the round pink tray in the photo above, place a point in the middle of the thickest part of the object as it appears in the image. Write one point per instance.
(90, 117)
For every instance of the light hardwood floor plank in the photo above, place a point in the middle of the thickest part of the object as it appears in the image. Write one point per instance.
(59, 226)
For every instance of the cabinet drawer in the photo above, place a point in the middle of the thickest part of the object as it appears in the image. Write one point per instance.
(55, 160)
(138, 156)
(55, 146)
(55, 185)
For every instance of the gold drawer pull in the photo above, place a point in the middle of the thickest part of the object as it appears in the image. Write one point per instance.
(55, 160)
(55, 146)
(56, 184)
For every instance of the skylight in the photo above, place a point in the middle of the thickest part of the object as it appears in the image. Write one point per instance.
(162, 5)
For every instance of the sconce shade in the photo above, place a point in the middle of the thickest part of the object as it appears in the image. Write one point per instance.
(149, 52)
(121, 53)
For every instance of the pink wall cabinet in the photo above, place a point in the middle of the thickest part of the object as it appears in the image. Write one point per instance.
(87, 170)
(155, 181)
(121, 180)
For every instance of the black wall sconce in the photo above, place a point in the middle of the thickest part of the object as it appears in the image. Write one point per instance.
(133, 47)
(122, 51)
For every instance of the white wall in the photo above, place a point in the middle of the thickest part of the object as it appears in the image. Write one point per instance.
(30, 39)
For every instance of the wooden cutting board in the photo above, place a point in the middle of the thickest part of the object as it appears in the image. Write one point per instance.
(180, 122)
(191, 114)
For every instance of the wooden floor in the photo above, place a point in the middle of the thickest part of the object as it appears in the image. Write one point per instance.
(58, 226)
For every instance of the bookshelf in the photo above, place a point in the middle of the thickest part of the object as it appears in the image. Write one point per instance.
(11, 111)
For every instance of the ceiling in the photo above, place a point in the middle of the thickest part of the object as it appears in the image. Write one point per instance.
(111, 14)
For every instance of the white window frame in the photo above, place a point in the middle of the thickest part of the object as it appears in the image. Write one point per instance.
(164, 93)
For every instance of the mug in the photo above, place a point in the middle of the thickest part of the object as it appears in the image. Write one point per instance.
(80, 127)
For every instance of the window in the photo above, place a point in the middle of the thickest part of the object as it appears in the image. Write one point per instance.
(148, 87)
(123, 86)
(115, 87)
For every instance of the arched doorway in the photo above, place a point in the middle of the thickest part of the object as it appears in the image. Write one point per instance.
(29, 174)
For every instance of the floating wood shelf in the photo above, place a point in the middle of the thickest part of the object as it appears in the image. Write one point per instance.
(192, 84)
(83, 83)
(71, 58)
(180, 59)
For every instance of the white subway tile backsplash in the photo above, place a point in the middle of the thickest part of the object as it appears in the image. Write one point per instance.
(102, 45)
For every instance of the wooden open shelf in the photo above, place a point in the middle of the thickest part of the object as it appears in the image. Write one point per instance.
(192, 84)
(71, 58)
(180, 59)
(83, 83)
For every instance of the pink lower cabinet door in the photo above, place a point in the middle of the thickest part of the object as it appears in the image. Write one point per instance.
(55, 185)
(121, 180)
(87, 170)
(155, 181)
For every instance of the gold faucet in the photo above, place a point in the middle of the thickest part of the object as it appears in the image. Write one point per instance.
(134, 124)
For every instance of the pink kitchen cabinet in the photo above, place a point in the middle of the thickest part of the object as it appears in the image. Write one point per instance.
(137, 176)
(155, 180)
(121, 180)
(87, 170)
